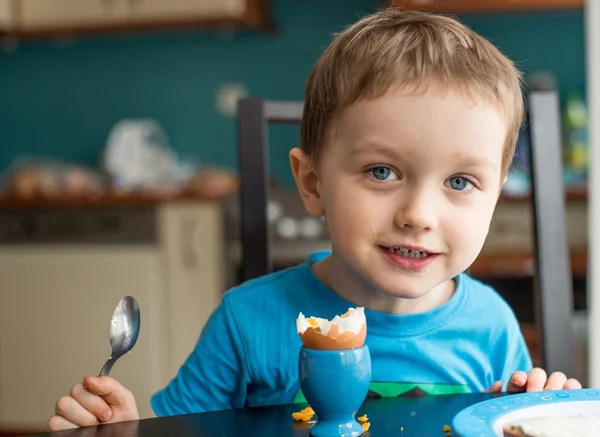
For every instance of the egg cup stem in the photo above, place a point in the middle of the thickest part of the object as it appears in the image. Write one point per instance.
(335, 383)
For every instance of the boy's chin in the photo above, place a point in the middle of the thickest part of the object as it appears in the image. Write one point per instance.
(405, 292)
(406, 287)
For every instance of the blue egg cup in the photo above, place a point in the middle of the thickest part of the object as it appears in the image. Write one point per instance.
(335, 383)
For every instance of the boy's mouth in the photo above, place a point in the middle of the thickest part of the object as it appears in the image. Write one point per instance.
(409, 258)
(411, 253)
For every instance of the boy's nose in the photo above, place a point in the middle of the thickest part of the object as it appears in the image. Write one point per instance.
(416, 213)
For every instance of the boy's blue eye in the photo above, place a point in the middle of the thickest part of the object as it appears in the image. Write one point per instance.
(459, 183)
(383, 173)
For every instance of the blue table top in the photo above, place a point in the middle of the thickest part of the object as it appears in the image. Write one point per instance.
(399, 417)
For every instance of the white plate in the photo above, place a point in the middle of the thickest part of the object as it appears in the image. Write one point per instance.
(487, 418)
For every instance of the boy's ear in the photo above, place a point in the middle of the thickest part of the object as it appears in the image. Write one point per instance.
(307, 182)
(502, 185)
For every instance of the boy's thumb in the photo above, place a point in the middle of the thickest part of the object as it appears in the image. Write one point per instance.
(108, 389)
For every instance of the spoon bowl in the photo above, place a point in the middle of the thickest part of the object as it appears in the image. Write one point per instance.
(123, 331)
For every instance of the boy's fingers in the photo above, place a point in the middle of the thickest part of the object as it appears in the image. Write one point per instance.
(91, 402)
(109, 389)
(536, 380)
(495, 388)
(556, 381)
(572, 384)
(57, 423)
(517, 382)
(74, 412)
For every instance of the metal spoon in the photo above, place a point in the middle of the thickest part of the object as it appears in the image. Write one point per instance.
(123, 332)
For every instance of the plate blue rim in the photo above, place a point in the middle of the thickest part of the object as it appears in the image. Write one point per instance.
(478, 420)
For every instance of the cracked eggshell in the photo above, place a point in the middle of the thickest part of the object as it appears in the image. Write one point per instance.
(348, 331)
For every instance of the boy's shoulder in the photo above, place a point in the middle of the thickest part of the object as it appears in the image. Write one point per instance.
(484, 301)
(274, 288)
(479, 289)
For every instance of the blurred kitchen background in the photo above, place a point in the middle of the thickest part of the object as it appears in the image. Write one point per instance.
(118, 165)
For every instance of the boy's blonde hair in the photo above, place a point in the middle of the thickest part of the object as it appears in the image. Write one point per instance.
(398, 48)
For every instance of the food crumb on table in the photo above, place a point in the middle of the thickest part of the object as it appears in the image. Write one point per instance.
(307, 414)
(364, 421)
(304, 415)
(448, 430)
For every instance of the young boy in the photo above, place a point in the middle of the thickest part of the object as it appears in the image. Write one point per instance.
(409, 128)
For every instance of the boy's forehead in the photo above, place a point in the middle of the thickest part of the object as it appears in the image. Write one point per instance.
(422, 114)
(429, 94)
(451, 124)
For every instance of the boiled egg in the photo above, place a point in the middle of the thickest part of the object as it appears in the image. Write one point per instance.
(346, 331)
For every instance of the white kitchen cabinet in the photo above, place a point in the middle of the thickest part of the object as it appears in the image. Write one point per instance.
(7, 14)
(39, 14)
(191, 247)
(56, 305)
(35, 17)
(153, 10)
(56, 302)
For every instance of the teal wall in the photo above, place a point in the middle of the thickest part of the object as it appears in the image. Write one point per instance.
(62, 100)
(542, 41)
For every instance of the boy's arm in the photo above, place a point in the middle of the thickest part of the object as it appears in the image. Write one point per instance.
(525, 377)
(519, 358)
(519, 375)
(510, 355)
(213, 377)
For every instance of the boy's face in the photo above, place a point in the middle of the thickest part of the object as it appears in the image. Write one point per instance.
(408, 186)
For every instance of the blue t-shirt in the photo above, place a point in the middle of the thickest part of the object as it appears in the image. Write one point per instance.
(247, 354)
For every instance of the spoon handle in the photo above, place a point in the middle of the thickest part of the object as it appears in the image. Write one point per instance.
(107, 366)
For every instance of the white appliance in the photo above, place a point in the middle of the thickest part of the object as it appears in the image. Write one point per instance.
(62, 273)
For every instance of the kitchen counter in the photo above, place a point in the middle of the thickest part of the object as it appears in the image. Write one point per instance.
(108, 198)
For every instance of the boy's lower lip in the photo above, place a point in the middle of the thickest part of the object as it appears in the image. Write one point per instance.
(409, 264)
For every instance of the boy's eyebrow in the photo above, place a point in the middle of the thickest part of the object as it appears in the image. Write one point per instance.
(371, 147)
(380, 149)
(472, 161)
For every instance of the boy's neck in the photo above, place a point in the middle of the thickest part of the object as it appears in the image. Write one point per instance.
(345, 282)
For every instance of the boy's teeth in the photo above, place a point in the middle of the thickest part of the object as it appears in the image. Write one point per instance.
(408, 253)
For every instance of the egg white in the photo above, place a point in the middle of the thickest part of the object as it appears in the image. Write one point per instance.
(353, 322)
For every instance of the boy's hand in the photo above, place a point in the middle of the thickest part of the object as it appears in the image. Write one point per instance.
(97, 400)
(537, 380)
